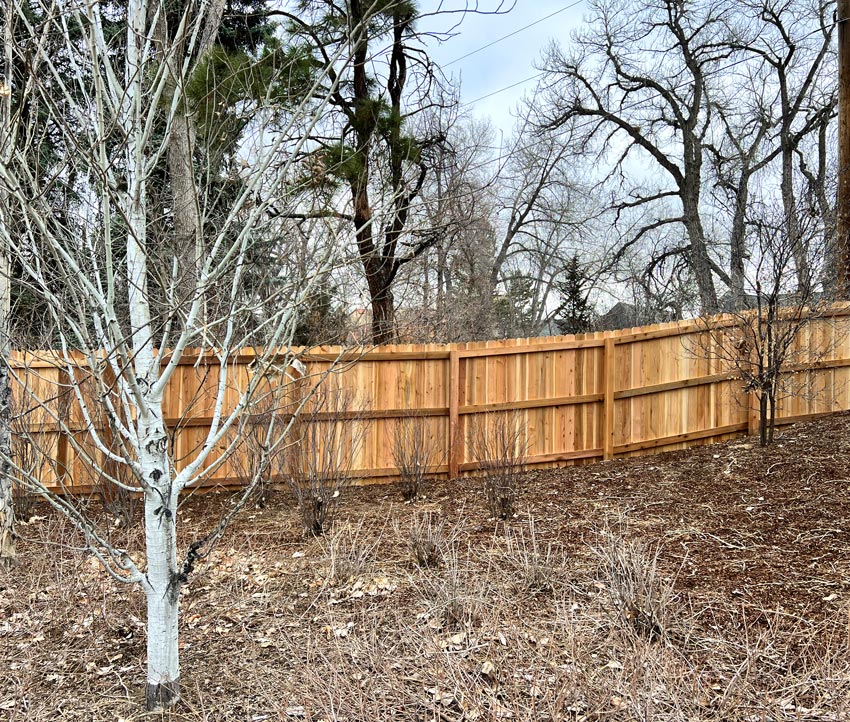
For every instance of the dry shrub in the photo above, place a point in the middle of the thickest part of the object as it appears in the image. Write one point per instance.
(120, 503)
(26, 456)
(499, 445)
(534, 566)
(428, 537)
(643, 599)
(109, 478)
(263, 437)
(451, 595)
(327, 436)
(415, 455)
(350, 550)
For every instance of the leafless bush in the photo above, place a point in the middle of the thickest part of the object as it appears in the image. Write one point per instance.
(451, 595)
(23, 501)
(350, 550)
(499, 445)
(643, 599)
(118, 501)
(263, 439)
(414, 454)
(327, 437)
(535, 567)
(28, 455)
(121, 504)
(427, 538)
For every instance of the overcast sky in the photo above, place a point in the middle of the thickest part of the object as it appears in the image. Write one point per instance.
(505, 63)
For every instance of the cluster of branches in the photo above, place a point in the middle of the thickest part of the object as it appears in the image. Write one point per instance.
(700, 112)
(639, 171)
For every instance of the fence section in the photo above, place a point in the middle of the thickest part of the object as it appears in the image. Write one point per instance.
(579, 398)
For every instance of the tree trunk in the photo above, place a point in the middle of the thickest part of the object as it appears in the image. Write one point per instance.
(738, 244)
(8, 553)
(383, 321)
(188, 234)
(763, 420)
(163, 582)
(792, 223)
(842, 231)
(771, 419)
(698, 256)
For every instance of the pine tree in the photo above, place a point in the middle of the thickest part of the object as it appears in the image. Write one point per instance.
(575, 314)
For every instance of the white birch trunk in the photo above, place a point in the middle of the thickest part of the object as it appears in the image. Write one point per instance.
(162, 583)
(162, 587)
(8, 554)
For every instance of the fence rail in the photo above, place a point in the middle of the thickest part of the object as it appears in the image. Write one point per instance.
(581, 398)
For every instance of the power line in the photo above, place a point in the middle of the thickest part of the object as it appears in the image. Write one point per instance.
(515, 32)
(502, 90)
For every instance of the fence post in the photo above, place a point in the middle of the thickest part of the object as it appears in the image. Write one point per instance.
(753, 413)
(455, 441)
(63, 469)
(608, 401)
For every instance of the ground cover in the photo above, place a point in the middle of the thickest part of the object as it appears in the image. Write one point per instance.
(706, 584)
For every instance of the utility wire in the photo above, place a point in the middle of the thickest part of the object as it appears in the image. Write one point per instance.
(515, 32)
(502, 90)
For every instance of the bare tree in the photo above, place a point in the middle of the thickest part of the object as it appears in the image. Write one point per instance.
(449, 287)
(112, 286)
(507, 226)
(765, 341)
(787, 96)
(640, 79)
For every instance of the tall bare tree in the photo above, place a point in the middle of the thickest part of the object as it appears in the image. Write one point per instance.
(641, 76)
(791, 42)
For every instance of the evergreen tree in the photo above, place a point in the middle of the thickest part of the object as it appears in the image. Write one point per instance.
(575, 314)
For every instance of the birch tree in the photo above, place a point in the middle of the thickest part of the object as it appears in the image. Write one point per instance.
(108, 272)
(8, 555)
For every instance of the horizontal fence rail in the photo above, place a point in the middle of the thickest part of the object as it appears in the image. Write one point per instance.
(579, 398)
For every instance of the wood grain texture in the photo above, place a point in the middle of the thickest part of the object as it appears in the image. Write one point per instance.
(578, 398)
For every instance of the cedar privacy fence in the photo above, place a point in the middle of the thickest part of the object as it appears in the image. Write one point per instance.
(580, 398)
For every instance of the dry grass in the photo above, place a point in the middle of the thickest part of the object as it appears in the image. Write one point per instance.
(556, 616)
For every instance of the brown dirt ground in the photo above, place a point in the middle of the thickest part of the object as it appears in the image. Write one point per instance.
(753, 543)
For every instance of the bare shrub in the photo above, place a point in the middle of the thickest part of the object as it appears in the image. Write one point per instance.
(414, 454)
(450, 595)
(642, 598)
(25, 454)
(534, 566)
(499, 445)
(427, 538)
(263, 436)
(120, 503)
(111, 481)
(28, 455)
(350, 550)
(327, 437)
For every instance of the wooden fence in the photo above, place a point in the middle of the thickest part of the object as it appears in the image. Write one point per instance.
(580, 398)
